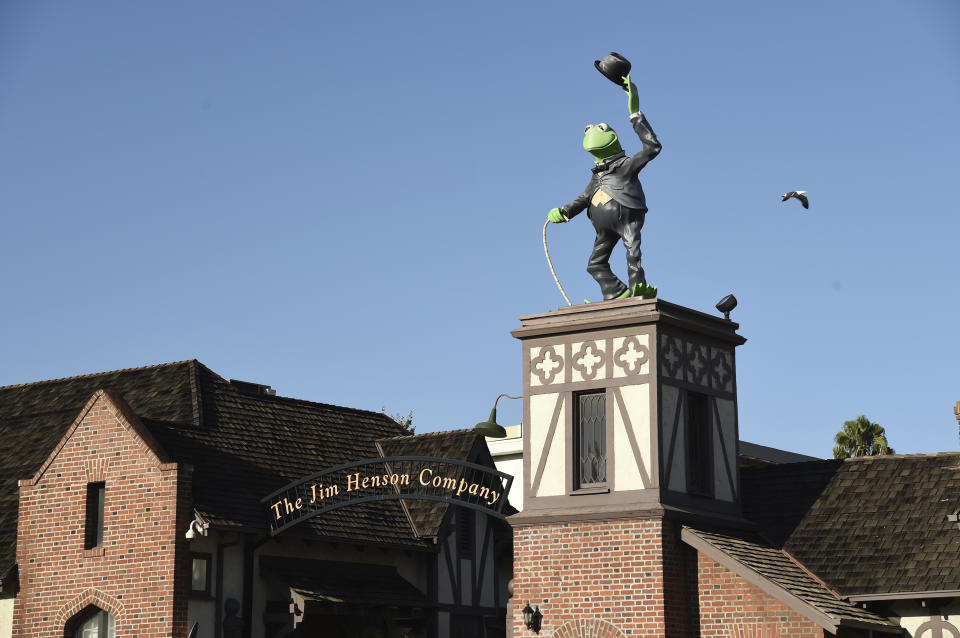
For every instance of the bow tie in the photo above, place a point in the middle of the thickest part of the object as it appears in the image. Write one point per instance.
(605, 164)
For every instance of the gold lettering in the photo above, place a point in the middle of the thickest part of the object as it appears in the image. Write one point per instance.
(299, 503)
(404, 479)
(428, 472)
(353, 482)
(437, 481)
(473, 489)
(288, 508)
(496, 495)
(462, 488)
(276, 509)
(394, 479)
(484, 493)
(331, 490)
(365, 482)
(450, 483)
(313, 493)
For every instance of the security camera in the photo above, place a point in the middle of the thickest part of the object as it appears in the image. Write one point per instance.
(196, 527)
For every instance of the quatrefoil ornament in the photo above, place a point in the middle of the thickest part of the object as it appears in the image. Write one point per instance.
(547, 366)
(589, 360)
(631, 355)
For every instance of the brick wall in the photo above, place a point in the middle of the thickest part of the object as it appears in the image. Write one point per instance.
(581, 573)
(730, 607)
(611, 579)
(140, 572)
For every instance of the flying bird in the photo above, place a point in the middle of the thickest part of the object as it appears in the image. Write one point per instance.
(801, 195)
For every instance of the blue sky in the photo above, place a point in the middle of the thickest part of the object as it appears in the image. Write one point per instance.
(345, 200)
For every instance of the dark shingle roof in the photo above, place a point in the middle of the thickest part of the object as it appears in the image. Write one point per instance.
(428, 516)
(35, 416)
(785, 575)
(880, 526)
(779, 496)
(832, 530)
(241, 445)
(756, 454)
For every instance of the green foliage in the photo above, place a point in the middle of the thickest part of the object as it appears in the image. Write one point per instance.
(406, 422)
(860, 437)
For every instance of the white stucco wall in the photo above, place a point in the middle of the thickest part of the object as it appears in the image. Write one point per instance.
(542, 408)
(913, 616)
(6, 617)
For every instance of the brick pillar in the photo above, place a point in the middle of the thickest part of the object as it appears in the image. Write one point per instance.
(616, 576)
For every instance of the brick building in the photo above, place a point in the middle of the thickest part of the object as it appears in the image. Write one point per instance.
(138, 513)
(643, 517)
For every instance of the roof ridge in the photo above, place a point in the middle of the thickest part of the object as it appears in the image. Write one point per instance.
(437, 433)
(97, 374)
(780, 466)
(879, 457)
(277, 397)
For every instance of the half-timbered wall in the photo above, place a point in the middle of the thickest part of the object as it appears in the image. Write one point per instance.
(616, 362)
(468, 583)
(647, 370)
(691, 365)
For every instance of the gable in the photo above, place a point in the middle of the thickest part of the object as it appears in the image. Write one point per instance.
(94, 433)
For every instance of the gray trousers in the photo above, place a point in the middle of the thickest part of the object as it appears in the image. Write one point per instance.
(614, 222)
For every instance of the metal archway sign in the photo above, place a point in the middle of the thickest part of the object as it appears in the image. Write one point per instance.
(424, 478)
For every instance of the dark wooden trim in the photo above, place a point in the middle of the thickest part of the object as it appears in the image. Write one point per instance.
(699, 502)
(905, 595)
(723, 449)
(626, 312)
(671, 451)
(454, 582)
(207, 556)
(478, 584)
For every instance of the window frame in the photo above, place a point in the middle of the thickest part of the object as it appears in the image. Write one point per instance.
(578, 486)
(105, 619)
(96, 497)
(208, 558)
(466, 530)
(698, 434)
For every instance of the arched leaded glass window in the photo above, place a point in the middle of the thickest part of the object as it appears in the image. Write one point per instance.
(95, 623)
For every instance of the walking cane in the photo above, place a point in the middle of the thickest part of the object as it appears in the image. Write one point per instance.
(550, 263)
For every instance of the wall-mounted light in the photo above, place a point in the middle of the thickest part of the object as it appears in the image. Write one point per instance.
(532, 618)
(490, 427)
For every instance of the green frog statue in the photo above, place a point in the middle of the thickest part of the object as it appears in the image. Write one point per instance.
(614, 201)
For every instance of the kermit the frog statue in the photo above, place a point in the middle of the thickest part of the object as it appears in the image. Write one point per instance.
(614, 201)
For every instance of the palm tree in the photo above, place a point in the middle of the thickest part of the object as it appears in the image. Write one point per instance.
(861, 437)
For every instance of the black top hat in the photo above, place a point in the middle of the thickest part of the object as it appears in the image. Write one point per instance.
(615, 67)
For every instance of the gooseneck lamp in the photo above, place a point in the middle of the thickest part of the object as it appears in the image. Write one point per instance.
(490, 427)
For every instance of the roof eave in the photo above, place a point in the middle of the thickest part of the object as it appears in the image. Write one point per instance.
(905, 595)
(771, 588)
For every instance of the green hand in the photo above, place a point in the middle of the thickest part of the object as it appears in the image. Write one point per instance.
(556, 216)
(633, 100)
